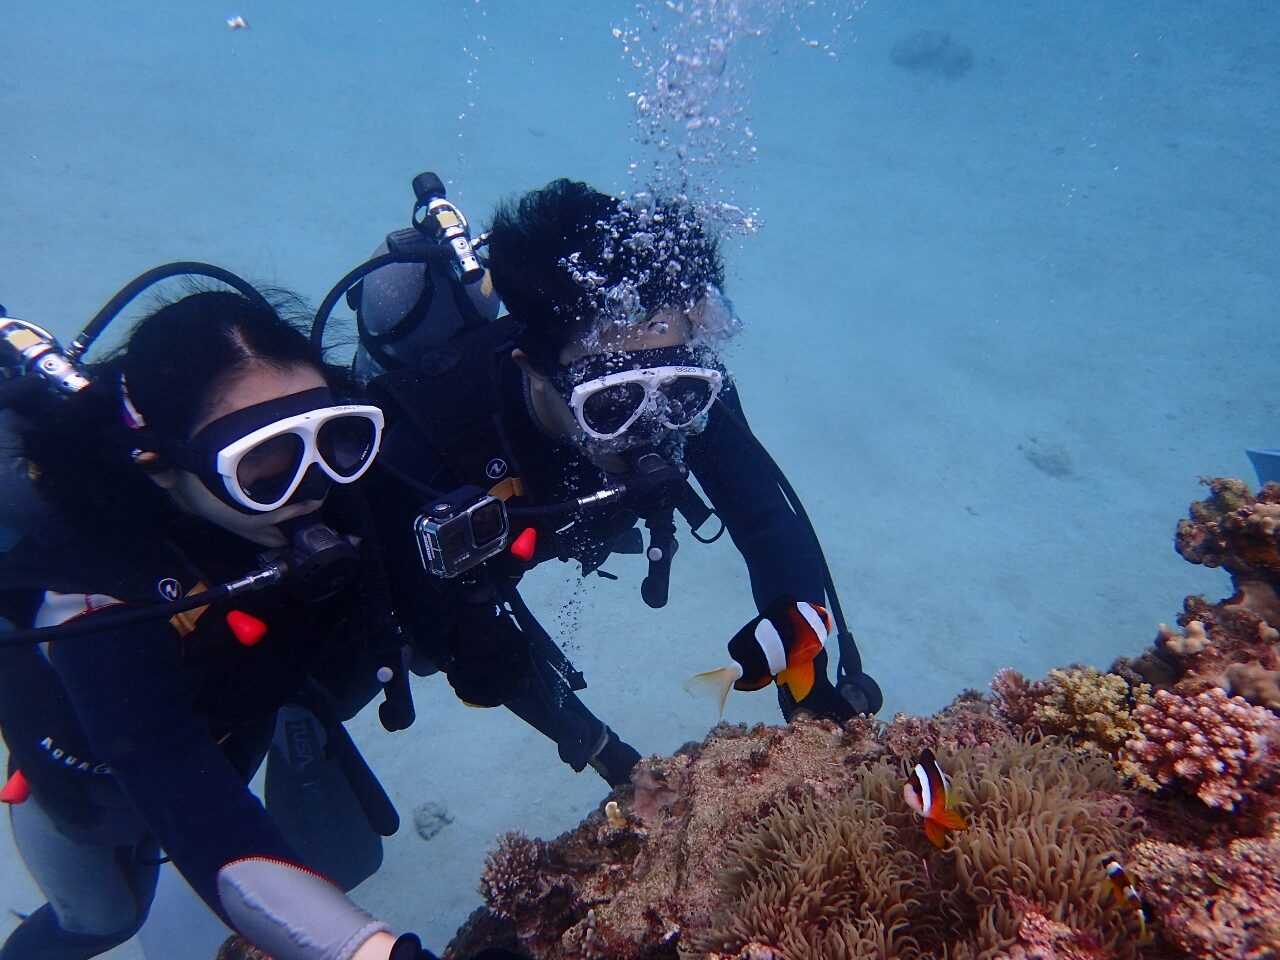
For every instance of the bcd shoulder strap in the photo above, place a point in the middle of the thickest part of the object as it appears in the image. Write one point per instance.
(452, 398)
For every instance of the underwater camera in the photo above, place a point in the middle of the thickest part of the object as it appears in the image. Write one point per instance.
(461, 530)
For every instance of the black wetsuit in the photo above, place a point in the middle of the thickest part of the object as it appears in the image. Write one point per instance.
(143, 737)
(778, 548)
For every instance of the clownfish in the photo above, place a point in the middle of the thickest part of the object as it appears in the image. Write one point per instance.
(928, 792)
(780, 645)
(1123, 890)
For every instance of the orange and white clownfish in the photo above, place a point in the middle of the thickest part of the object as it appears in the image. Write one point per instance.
(928, 792)
(1123, 890)
(780, 645)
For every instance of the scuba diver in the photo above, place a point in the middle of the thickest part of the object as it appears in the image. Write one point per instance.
(553, 431)
(188, 586)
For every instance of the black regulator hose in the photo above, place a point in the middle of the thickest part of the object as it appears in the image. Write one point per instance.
(113, 619)
(131, 290)
(429, 255)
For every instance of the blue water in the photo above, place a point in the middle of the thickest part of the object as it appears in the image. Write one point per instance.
(998, 320)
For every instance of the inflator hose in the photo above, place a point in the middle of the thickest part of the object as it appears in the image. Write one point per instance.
(111, 619)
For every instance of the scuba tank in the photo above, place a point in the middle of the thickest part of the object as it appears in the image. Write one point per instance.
(421, 286)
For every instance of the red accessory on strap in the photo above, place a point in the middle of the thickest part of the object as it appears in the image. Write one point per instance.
(16, 790)
(247, 628)
(524, 546)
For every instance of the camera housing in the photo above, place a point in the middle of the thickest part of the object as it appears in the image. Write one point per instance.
(461, 530)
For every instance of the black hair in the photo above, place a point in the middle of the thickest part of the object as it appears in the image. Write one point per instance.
(561, 254)
(175, 362)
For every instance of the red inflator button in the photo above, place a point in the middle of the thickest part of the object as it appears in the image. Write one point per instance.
(248, 629)
(523, 546)
(16, 790)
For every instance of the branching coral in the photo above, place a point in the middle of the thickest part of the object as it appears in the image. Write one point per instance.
(1223, 749)
(1015, 698)
(510, 874)
(1091, 708)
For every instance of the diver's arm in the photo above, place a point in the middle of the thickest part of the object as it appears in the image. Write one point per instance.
(776, 544)
(779, 548)
(128, 689)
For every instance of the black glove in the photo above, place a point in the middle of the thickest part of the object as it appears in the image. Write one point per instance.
(409, 947)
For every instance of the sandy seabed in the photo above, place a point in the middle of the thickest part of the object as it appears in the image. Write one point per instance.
(995, 315)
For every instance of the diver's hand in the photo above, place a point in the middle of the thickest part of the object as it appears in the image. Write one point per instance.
(407, 947)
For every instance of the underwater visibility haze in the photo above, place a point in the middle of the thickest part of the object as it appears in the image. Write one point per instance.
(1003, 280)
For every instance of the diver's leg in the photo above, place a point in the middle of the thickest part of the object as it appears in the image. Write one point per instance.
(583, 739)
(98, 896)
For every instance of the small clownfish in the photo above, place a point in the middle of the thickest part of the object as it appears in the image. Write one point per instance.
(928, 792)
(780, 645)
(237, 23)
(1123, 890)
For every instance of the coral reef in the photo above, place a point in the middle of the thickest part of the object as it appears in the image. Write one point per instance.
(1235, 643)
(1214, 903)
(1221, 748)
(1090, 707)
(829, 862)
(796, 843)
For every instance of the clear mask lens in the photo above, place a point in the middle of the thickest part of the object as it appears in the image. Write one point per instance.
(265, 472)
(686, 399)
(609, 409)
(346, 443)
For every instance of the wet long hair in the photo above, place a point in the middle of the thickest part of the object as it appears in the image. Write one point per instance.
(561, 254)
(176, 362)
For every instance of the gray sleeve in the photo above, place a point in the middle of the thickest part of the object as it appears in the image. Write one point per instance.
(292, 913)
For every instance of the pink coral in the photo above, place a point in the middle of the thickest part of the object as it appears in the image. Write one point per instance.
(1221, 748)
(1015, 698)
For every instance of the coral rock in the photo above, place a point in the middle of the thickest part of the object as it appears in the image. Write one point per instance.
(1222, 749)
(1213, 904)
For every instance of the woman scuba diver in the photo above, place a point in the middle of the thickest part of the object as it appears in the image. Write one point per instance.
(214, 434)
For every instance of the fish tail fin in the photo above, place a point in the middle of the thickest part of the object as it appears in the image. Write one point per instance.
(716, 683)
(799, 679)
(950, 819)
(936, 834)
